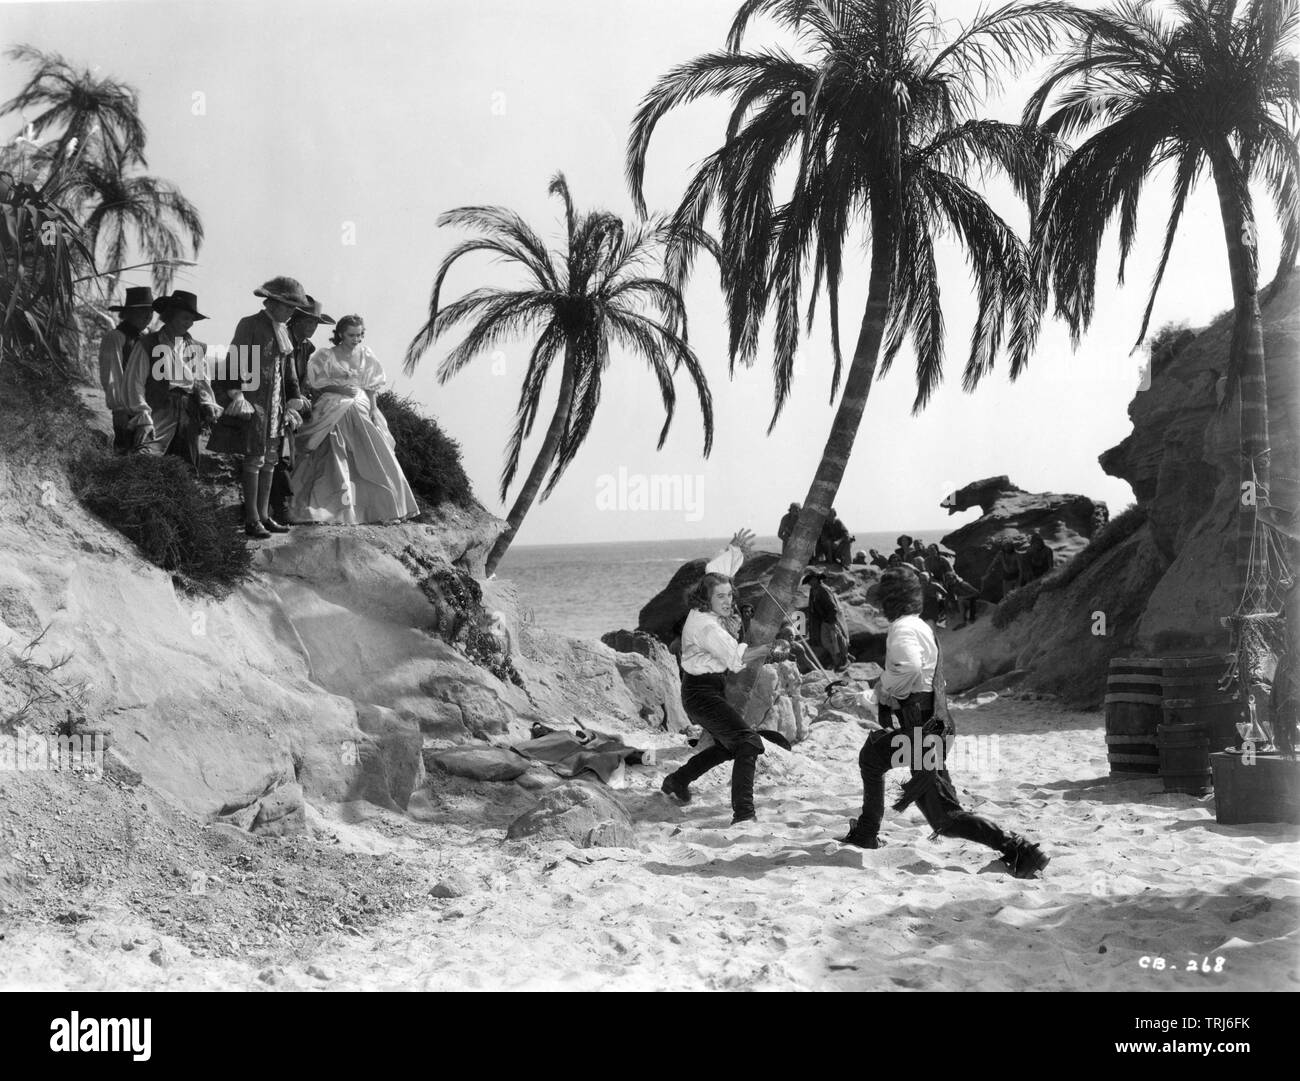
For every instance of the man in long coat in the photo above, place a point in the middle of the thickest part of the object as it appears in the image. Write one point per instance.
(261, 399)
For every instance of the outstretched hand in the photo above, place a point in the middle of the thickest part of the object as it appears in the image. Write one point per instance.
(744, 540)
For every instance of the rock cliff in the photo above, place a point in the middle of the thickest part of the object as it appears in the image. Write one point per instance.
(1065, 522)
(323, 678)
(1164, 586)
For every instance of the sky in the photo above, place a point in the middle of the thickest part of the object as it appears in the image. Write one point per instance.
(322, 139)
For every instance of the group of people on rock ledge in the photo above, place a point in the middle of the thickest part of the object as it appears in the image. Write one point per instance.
(302, 419)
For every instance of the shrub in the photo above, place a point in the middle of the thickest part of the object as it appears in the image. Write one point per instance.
(1167, 343)
(158, 504)
(428, 456)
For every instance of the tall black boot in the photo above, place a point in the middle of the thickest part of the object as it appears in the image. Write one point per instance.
(864, 832)
(1023, 858)
(742, 786)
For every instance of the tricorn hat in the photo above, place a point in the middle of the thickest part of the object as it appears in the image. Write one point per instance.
(312, 308)
(179, 298)
(285, 290)
(137, 296)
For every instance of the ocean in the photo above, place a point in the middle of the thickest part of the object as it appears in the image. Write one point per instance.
(585, 590)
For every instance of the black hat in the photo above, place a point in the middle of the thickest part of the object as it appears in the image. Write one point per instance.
(137, 296)
(179, 299)
(313, 309)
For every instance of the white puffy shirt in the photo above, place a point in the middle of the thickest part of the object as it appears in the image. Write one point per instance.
(707, 646)
(911, 656)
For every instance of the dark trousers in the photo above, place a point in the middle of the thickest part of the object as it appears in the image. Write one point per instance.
(922, 745)
(705, 700)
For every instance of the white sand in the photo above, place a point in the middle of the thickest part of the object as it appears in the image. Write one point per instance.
(780, 905)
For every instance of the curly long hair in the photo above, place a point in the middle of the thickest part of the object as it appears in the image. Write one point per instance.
(900, 593)
(347, 321)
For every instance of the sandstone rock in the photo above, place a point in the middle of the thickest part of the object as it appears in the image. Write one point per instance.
(538, 779)
(580, 813)
(479, 763)
(454, 885)
(1065, 522)
(280, 813)
(390, 759)
(775, 702)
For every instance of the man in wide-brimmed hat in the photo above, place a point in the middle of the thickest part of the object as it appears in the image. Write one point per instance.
(263, 407)
(136, 312)
(167, 389)
(302, 325)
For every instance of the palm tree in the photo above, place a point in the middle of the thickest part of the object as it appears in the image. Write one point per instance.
(1207, 85)
(89, 168)
(575, 304)
(880, 123)
(97, 117)
(115, 207)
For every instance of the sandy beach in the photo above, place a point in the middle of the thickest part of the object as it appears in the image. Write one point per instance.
(1136, 874)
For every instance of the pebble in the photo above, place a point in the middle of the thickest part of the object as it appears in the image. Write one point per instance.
(320, 972)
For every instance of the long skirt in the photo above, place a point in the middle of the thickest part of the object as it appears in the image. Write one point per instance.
(351, 476)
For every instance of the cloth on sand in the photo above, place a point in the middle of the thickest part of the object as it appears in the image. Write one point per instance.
(567, 755)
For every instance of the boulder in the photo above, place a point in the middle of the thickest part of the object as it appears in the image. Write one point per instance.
(281, 813)
(1065, 522)
(775, 703)
(580, 813)
(650, 673)
(389, 758)
(478, 763)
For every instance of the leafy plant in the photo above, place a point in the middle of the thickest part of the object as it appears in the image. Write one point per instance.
(428, 456)
(158, 504)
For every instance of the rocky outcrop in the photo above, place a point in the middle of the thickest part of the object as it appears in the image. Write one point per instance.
(1065, 522)
(1165, 587)
(321, 679)
(649, 672)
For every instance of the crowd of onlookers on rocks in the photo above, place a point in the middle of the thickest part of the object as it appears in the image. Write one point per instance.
(949, 599)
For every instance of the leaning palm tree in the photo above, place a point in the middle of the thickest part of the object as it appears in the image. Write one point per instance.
(1202, 86)
(880, 122)
(576, 303)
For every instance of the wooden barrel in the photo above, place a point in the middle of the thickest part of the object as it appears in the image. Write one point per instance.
(1134, 697)
(1185, 758)
(1198, 691)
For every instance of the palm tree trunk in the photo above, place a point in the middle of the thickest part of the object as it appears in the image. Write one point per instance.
(545, 456)
(1246, 356)
(798, 549)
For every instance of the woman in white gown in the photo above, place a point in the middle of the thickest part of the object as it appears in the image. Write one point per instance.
(346, 472)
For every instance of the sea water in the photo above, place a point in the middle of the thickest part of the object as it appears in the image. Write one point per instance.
(585, 590)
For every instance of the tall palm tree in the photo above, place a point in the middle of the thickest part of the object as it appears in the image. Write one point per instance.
(87, 165)
(1203, 86)
(880, 120)
(96, 117)
(576, 303)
